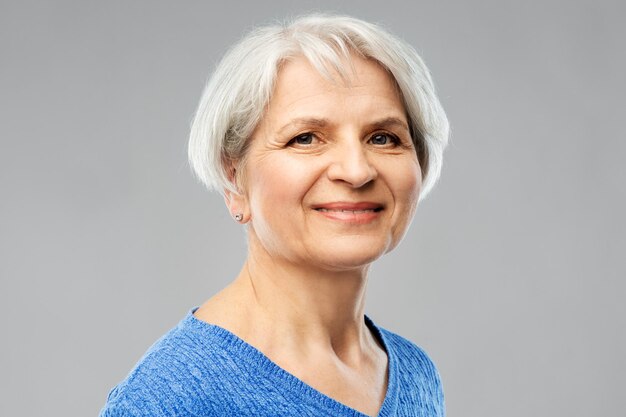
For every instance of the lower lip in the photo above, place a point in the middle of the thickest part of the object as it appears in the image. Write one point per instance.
(351, 217)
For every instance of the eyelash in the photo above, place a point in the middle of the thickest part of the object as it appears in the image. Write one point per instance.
(393, 138)
(308, 134)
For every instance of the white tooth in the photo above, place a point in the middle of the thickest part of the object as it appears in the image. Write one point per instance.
(344, 210)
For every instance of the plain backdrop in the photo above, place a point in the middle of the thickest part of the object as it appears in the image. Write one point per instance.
(511, 276)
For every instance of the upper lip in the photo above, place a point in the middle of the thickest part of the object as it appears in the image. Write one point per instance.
(346, 205)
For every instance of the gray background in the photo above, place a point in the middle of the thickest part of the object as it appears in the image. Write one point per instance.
(510, 277)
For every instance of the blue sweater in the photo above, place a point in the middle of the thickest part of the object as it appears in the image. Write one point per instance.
(199, 369)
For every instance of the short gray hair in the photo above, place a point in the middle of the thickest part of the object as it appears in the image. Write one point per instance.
(236, 95)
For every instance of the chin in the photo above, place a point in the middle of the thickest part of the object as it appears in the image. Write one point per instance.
(346, 258)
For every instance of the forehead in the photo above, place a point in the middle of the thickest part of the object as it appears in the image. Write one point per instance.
(300, 84)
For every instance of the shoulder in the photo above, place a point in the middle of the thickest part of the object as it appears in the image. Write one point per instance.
(165, 381)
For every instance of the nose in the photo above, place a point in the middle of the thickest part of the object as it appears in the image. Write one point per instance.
(350, 164)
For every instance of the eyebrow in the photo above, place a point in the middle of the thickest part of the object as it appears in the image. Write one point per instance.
(322, 122)
(305, 121)
(390, 122)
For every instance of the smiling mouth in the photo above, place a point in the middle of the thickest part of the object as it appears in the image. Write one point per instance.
(327, 210)
(350, 213)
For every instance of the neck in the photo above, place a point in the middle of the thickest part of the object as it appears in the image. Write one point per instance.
(306, 307)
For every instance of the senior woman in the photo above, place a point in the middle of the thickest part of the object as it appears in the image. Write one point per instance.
(322, 134)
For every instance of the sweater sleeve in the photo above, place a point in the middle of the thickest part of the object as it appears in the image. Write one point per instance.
(118, 410)
(128, 401)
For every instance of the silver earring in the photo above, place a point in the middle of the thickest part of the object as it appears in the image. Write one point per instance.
(239, 217)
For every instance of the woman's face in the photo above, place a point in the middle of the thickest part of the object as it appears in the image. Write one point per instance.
(331, 176)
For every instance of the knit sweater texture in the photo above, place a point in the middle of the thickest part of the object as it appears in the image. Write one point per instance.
(199, 369)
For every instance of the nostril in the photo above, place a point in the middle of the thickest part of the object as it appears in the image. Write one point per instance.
(351, 165)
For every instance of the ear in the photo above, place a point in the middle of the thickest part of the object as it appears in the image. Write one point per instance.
(236, 202)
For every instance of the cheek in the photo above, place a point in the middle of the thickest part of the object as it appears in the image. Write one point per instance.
(276, 191)
(406, 183)
(278, 185)
(407, 179)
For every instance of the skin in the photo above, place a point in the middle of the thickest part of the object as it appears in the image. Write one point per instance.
(300, 296)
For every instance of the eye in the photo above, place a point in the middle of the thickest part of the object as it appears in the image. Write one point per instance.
(383, 139)
(303, 139)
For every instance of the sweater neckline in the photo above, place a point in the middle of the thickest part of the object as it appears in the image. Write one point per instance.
(233, 341)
